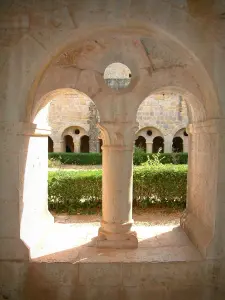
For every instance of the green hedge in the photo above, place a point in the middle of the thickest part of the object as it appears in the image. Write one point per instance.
(96, 158)
(72, 191)
(76, 158)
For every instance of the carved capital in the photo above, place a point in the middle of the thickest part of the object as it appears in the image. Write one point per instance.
(120, 135)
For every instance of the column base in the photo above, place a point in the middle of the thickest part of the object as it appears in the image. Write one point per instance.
(115, 240)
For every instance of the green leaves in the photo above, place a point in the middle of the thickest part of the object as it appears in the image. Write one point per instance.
(155, 185)
(76, 158)
(139, 157)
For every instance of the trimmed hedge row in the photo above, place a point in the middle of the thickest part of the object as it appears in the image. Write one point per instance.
(96, 158)
(76, 158)
(164, 186)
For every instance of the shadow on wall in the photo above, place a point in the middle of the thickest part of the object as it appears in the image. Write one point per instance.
(84, 144)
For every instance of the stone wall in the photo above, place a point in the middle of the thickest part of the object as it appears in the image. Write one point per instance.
(165, 112)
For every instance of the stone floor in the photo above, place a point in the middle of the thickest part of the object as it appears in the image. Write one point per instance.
(160, 240)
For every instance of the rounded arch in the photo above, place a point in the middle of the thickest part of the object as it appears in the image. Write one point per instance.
(195, 108)
(179, 132)
(71, 131)
(150, 30)
(158, 144)
(177, 145)
(44, 101)
(140, 142)
(69, 144)
(144, 132)
(84, 144)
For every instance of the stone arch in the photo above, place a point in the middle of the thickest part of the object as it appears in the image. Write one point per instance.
(69, 145)
(84, 144)
(181, 133)
(76, 133)
(158, 145)
(140, 142)
(144, 132)
(207, 104)
(149, 31)
(155, 132)
(164, 82)
(177, 144)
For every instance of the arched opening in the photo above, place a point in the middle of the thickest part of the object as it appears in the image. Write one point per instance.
(177, 144)
(154, 82)
(158, 145)
(50, 144)
(69, 145)
(140, 142)
(84, 144)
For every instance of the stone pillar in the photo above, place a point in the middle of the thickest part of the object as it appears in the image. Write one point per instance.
(59, 146)
(149, 147)
(23, 188)
(76, 144)
(185, 144)
(203, 220)
(168, 142)
(98, 146)
(116, 225)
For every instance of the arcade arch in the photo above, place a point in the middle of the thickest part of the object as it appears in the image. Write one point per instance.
(76, 134)
(151, 135)
(118, 127)
(181, 136)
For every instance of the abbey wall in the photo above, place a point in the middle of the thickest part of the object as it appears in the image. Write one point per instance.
(164, 114)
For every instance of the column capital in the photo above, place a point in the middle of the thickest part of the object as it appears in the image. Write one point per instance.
(24, 128)
(119, 135)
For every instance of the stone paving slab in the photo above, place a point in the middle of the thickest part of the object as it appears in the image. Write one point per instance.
(70, 242)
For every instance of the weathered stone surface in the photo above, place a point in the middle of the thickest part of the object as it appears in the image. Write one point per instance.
(168, 47)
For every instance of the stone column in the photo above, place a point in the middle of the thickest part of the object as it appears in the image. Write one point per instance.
(24, 214)
(185, 144)
(149, 147)
(76, 144)
(203, 219)
(117, 185)
(98, 146)
(59, 146)
(168, 142)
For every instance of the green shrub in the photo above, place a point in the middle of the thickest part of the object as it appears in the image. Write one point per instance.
(139, 158)
(77, 158)
(163, 185)
(54, 163)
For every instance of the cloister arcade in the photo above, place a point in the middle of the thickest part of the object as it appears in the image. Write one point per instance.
(180, 51)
